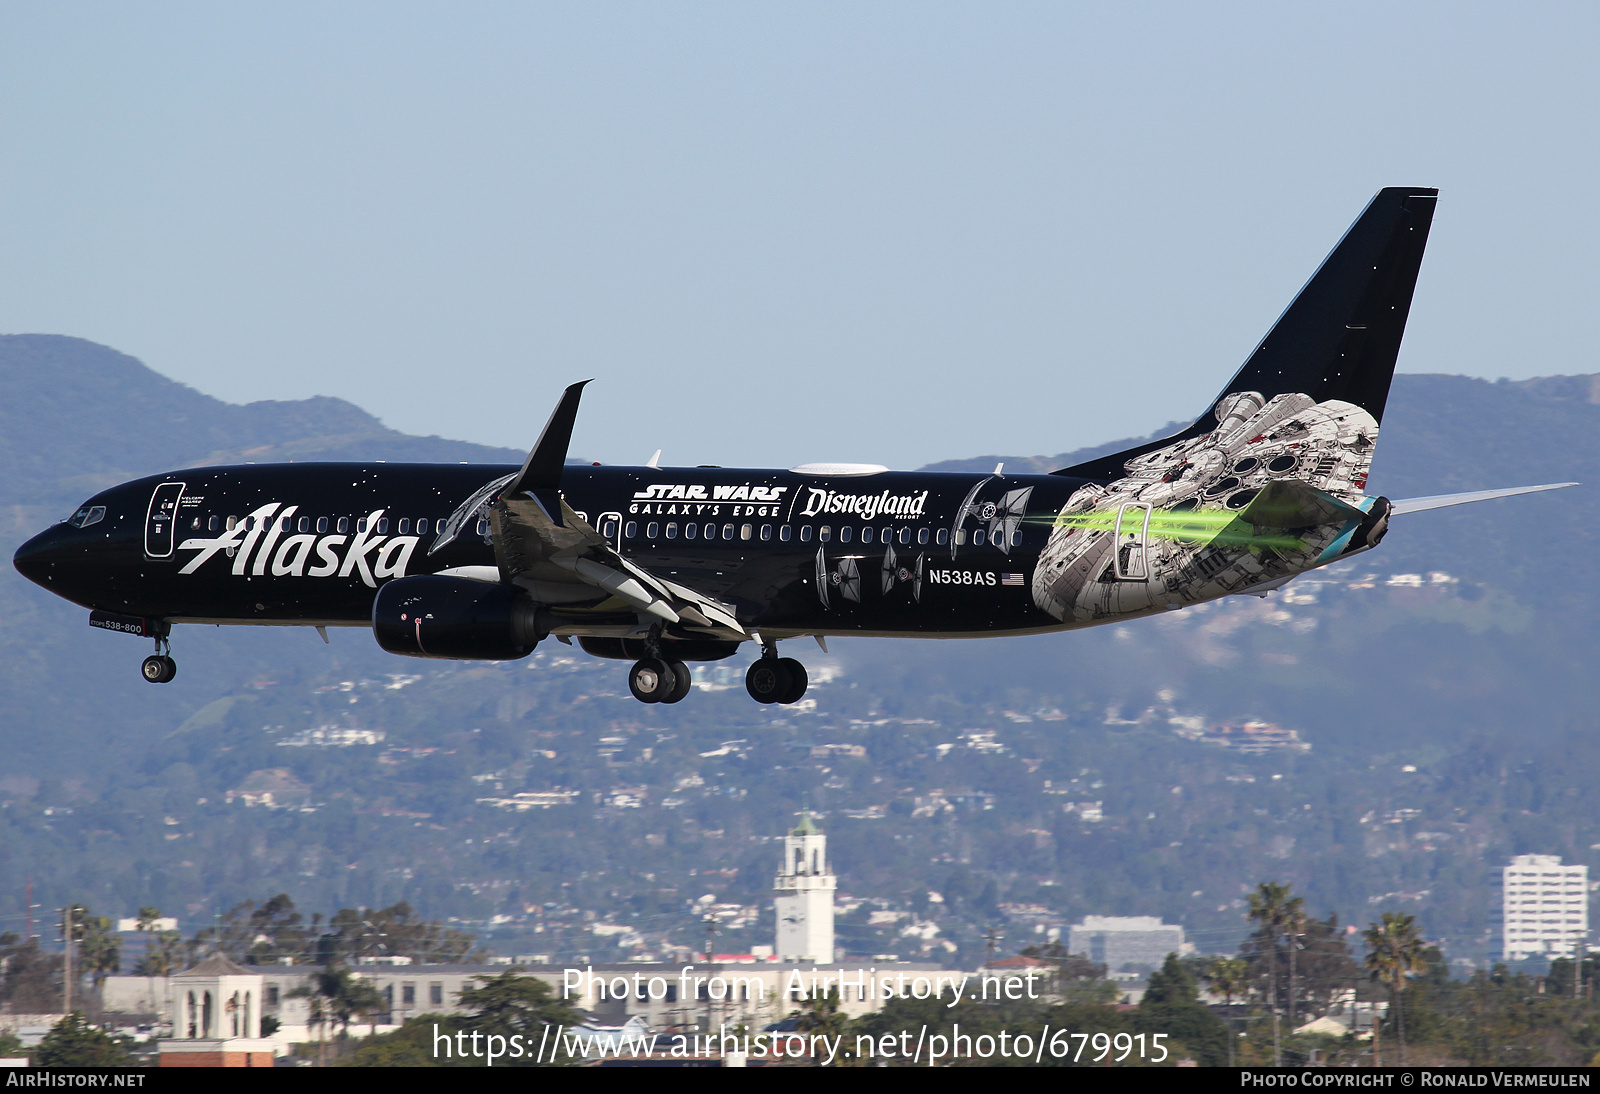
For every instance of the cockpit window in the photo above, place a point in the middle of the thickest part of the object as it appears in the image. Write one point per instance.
(89, 514)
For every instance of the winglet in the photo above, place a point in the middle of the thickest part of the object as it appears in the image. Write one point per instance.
(541, 472)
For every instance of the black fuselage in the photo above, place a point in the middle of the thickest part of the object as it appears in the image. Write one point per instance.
(309, 544)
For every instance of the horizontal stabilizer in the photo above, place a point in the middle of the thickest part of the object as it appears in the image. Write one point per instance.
(1440, 501)
(1289, 503)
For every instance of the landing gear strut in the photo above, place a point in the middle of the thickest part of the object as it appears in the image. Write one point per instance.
(159, 667)
(774, 679)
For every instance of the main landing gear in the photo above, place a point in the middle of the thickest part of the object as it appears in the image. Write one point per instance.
(774, 679)
(159, 667)
(653, 680)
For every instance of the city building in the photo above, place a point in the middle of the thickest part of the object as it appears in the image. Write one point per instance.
(805, 885)
(1118, 942)
(1541, 908)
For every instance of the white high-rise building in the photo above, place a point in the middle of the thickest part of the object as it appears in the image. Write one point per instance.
(1543, 907)
(805, 885)
(1116, 941)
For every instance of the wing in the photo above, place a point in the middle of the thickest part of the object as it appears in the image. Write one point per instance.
(544, 547)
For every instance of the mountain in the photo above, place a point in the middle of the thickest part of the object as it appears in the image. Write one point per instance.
(1427, 710)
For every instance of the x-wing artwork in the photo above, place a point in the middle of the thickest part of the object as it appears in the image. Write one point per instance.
(666, 566)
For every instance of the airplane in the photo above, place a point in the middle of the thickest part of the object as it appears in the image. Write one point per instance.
(666, 566)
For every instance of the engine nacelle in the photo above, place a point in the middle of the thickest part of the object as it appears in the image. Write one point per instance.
(455, 618)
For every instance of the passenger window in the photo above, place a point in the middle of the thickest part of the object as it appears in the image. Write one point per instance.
(886, 536)
(905, 535)
(783, 533)
(344, 526)
(689, 531)
(727, 531)
(652, 530)
(631, 530)
(922, 536)
(194, 525)
(211, 524)
(361, 524)
(303, 524)
(766, 532)
(977, 537)
(608, 528)
(1016, 539)
(943, 537)
(233, 522)
(322, 524)
(845, 534)
(805, 533)
(825, 533)
(672, 529)
(383, 525)
(422, 526)
(404, 527)
(746, 531)
(961, 537)
(283, 525)
(483, 526)
(866, 534)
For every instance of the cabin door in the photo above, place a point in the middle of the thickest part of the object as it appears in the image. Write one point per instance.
(160, 523)
(1133, 537)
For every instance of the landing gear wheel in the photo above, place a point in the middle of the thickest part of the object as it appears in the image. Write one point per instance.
(682, 682)
(797, 680)
(651, 680)
(769, 680)
(158, 669)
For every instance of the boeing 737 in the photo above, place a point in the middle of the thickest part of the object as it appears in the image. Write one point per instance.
(663, 566)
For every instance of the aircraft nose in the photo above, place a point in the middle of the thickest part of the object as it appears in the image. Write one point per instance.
(37, 559)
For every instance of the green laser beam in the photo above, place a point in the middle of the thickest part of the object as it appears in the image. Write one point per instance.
(1207, 527)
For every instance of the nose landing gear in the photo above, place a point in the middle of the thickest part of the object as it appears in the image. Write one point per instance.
(159, 667)
(774, 679)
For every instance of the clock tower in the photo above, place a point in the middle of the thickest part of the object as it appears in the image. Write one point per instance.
(804, 888)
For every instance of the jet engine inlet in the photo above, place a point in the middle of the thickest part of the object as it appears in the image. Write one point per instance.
(455, 618)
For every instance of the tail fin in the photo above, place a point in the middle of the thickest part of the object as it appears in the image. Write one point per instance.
(1341, 336)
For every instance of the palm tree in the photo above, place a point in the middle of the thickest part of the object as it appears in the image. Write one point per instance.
(316, 1015)
(1230, 976)
(1294, 925)
(1394, 953)
(1269, 907)
(337, 996)
(146, 925)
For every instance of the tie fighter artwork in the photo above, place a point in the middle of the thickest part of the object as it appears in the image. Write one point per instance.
(844, 578)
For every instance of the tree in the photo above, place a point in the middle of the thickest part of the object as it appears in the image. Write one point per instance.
(163, 956)
(32, 983)
(145, 923)
(1269, 907)
(1077, 979)
(821, 1014)
(1230, 976)
(1395, 952)
(73, 1042)
(339, 997)
(511, 1004)
(1171, 1005)
(100, 947)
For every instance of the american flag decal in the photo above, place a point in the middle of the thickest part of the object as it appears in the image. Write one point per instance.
(1011, 579)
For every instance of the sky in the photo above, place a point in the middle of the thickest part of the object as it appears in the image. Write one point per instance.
(776, 233)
